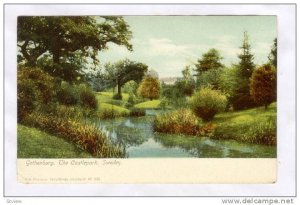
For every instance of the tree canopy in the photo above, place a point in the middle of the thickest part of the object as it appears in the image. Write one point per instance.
(210, 60)
(263, 85)
(149, 88)
(123, 71)
(65, 38)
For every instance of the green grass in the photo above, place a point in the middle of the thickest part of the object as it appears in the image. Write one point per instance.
(33, 143)
(107, 96)
(115, 108)
(255, 125)
(152, 104)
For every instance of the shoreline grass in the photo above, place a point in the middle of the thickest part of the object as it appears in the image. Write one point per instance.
(85, 136)
(34, 143)
(256, 125)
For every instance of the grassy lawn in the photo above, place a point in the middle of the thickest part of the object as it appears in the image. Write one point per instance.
(255, 125)
(107, 96)
(116, 108)
(152, 104)
(33, 143)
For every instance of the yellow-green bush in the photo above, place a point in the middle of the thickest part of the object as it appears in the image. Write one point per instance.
(180, 121)
(207, 102)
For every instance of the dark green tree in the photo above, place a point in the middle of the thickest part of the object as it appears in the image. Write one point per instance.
(273, 54)
(123, 71)
(210, 60)
(246, 66)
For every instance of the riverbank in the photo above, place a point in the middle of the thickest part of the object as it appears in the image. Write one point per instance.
(34, 143)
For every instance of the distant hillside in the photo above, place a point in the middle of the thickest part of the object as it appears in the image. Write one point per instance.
(169, 80)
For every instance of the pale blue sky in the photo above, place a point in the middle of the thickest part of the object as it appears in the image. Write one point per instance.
(168, 43)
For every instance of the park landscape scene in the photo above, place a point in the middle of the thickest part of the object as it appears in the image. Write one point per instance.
(146, 86)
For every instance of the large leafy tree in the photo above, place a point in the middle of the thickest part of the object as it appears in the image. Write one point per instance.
(123, 71)
(149, 88)
(65, 38)
(263, 85)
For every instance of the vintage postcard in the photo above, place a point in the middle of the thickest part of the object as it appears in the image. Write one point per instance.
(147, 99)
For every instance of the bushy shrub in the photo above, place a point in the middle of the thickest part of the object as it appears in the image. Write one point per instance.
(34, 87)
(87, 97)
(85, 136)
(207, 102)
(180, 121)
(243, 102)
(117, 96)
(67, 94)
(111, 114)
(164, 102)
(149, 88)
(82, 95)
(137, 112)
(27, 98)
(131, 100)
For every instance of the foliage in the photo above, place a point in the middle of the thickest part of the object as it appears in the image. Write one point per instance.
(82, 95)
(34, 87)
(263, 85)
(242, 101)
(61, 36)
(273, 54)
(87, 97)
(210, 60)
(130, 87)
(117, 96)
(181, 121)
(252, 125)
(152, 104)
(207, 102)
(210, 78)
(124, 71)
(67, 94)
(109, 111)
(174, 94)
(149, 88)
(164, 102)
(137, 112)
(241, 98)
(33, 143)
(85, 136)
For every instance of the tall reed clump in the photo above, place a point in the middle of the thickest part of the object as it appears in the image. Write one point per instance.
(85, 136)
(181, 121)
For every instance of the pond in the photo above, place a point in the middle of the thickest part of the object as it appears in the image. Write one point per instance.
(139, 139)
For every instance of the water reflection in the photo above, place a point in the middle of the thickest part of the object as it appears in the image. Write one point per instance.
(139, 139)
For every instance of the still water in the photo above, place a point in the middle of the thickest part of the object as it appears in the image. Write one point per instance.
(139, 139)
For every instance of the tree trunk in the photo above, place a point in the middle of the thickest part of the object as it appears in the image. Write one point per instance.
(119, 89)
